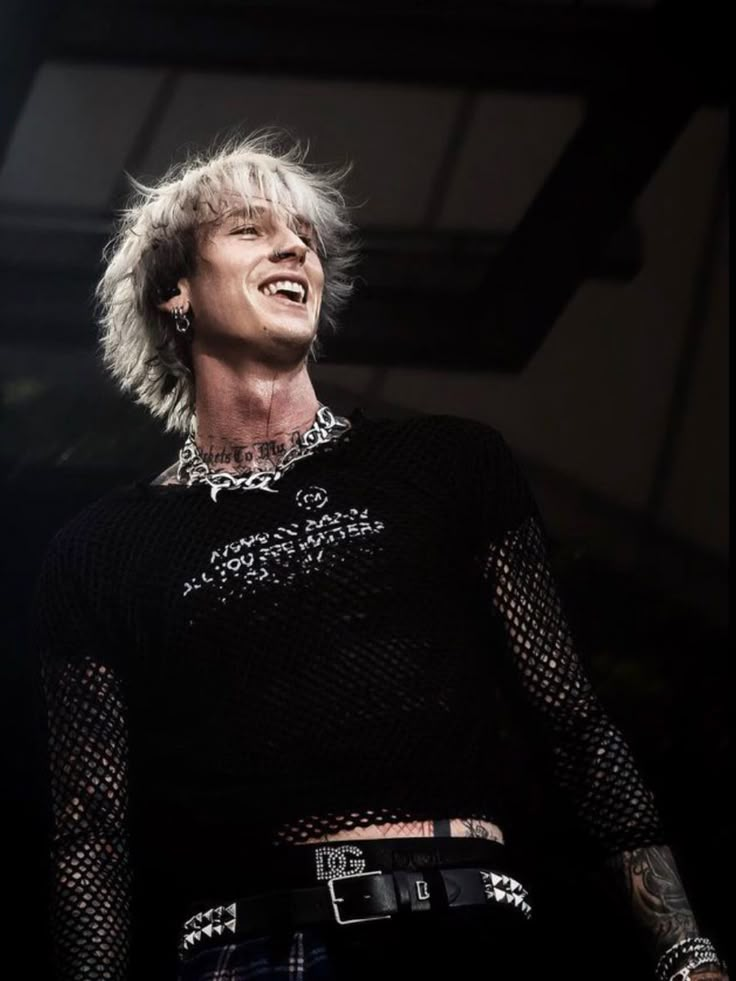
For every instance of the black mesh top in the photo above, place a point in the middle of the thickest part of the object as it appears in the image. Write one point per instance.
(223, 677)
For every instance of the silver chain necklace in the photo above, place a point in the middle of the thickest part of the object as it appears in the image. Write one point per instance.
(326, 428)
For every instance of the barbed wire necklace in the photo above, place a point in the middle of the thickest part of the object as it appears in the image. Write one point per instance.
(326, 428)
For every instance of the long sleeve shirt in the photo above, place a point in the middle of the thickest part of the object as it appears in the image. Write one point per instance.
(226, 676)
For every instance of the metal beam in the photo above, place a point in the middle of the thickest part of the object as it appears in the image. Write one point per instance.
(26, 27)
(583, 202)
(533, 48)
(688, 361)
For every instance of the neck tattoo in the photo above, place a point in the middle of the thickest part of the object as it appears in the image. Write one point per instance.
(261, 455)
(194, 467)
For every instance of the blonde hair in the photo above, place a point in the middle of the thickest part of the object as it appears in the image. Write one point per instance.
(155, 245)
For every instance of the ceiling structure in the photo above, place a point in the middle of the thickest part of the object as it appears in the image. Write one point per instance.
(498, 147)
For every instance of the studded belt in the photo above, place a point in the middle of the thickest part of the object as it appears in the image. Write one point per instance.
(349, 893)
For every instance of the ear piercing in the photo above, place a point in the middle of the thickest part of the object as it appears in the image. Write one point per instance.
(181, 320)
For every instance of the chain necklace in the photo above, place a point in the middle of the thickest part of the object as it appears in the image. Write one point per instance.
(192, 469)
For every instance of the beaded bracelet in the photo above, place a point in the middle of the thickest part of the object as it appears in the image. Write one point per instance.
(695, 951)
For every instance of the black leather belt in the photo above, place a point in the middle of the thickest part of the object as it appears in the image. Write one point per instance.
(360, 897)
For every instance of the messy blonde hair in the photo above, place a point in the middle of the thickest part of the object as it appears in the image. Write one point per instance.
(155, 245)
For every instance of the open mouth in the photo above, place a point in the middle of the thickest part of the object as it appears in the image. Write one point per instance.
(286, 290)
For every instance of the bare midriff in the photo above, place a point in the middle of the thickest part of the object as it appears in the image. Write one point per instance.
(453, 828)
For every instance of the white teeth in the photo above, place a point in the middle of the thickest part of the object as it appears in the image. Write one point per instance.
(270, 289)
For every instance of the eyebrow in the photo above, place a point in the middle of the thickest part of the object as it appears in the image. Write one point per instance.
(260, 210)
(238, 214)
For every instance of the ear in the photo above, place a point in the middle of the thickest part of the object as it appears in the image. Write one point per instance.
(181, 298)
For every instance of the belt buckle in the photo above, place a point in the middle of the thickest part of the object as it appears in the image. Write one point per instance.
(341, 899)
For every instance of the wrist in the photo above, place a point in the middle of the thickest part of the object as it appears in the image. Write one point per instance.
(679, 961)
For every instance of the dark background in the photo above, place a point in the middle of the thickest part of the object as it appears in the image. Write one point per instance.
(541, 190)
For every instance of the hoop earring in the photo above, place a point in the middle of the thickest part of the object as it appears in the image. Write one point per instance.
(181, 320)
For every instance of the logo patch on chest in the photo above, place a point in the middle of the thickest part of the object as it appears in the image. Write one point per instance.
(311, 498)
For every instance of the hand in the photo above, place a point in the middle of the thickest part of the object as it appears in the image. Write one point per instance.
(708, 973)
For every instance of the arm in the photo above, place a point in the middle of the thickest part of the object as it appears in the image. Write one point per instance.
(87, 729)
(591, 761)
(90, 868)
(650, 883)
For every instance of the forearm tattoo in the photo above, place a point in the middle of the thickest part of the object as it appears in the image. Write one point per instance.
(649, 879)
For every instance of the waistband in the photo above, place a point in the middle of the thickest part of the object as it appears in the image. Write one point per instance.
(303, 865)
(337, 884)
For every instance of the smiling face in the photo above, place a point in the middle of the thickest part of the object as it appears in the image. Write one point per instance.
(257, 285)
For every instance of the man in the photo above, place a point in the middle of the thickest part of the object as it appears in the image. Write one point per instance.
(270, 669)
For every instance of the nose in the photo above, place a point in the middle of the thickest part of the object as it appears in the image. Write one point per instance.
(291, 246)
(288, 253)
